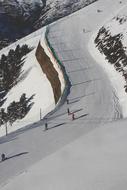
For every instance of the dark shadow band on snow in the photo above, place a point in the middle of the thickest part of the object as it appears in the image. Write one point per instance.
(55, 126)
(75, 111)
(72, 102)
(87, 81)
(78, 70)
(59, 115)
(79, 97)
(84, 115)
(16, 155)
(53, 117)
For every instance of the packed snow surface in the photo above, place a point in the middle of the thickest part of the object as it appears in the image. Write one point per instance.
(33, 82)
(97, 159)
(116, 25)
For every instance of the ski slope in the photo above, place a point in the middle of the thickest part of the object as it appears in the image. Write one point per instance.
(32, 81)
(115, 25)
(97, 159)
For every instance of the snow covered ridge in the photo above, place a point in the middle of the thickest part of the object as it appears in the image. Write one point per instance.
(56, 9)
(19, 18)
(19, 7)
(111, 41)
(20, 12)
(34, 84)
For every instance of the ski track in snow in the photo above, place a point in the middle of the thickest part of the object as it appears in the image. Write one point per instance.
(91, 97)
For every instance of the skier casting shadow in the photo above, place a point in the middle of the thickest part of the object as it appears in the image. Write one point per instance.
(3, 157)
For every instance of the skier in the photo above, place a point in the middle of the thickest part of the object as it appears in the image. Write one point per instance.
(84, 30)
(68, 111)
(3, 157)
(46, 126)
(73, 117)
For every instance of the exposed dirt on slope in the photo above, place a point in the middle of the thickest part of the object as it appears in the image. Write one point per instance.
(113, 49)
(49, 70)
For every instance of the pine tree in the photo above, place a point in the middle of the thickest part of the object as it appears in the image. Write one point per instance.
(18, 110)
(3, 117)
(11, 67)
(12, 112)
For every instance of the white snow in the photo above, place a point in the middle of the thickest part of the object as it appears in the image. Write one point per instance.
(97, 160)
(33, 82)
(117, 79)
(115, 27)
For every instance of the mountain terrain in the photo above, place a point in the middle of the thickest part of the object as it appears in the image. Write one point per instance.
(21, 17)
(64, 101)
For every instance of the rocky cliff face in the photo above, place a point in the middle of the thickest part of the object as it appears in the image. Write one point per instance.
(20, 8)
(17, 18)
(56, 9)
(21, 17)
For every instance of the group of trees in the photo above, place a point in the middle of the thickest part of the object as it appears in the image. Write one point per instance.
(10, 68)
(4, 42)
(10, 71)
(16, 110)
(113, 49)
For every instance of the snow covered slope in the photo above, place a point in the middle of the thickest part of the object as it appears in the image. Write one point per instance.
(32, 82)
(21, 17)
(56, 9)
(97, 160)
(109, 45)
